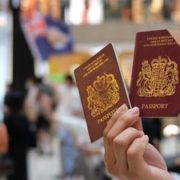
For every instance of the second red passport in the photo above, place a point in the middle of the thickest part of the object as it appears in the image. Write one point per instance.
(102, 90)
(155, 77)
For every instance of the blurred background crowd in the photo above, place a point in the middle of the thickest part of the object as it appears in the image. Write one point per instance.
(43, 132)
(49, 120)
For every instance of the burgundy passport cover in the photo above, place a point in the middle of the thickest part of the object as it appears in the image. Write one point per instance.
(102, 89)
(155, 77)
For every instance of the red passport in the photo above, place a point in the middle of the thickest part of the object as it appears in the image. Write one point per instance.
(102, 89)
(155, 77)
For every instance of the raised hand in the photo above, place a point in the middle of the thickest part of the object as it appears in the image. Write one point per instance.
(128, 155)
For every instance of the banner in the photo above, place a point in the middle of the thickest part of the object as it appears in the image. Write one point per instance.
(45, 34)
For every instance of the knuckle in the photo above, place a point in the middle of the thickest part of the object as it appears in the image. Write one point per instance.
(128, 119)
(119, 141)
(109, 137)
(131, 153)
(133, 130)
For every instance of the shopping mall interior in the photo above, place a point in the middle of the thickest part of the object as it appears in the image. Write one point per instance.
(42, 42)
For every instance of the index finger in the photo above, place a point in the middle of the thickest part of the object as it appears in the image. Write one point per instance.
(122, 109)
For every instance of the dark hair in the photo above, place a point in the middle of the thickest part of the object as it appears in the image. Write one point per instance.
(46, 89)
(14, 100)
(35, 80)
(69, 78)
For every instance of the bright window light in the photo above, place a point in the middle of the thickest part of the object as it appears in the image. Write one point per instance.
(171, 130)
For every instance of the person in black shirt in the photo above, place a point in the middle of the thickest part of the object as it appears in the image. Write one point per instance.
(21, 134)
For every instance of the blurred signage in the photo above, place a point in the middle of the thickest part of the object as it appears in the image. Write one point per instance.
(65, 64)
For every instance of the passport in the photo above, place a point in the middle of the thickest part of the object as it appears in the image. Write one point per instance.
(102, 89)
(155, 76)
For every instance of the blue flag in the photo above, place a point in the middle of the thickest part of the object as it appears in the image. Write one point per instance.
(47, 36)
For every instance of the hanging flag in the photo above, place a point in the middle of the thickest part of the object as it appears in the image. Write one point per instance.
(46, 35)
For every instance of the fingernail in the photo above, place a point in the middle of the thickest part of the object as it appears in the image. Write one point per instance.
(146, 137)
(141, 133)
(135, 111)
(122, 108)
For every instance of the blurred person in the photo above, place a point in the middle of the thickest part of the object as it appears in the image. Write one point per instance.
(156, 10)
(93, 156)
(167, 9)
(79, 156)
(92, 8)
(46, 122)
(27, 8)
(126, 10)
(74, 12)
(64, 7)
(43, 6)
(55, 9)
(21, 134)
(70, 104)
(9, 87)
(112, 9)
(31, 106)
(176, 13)
(138, 11)
(84, 12)
(69, 151)
(46, 100)
(128, 154)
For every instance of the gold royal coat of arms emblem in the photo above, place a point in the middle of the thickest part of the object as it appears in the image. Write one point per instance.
(102, 94)
(158, 78)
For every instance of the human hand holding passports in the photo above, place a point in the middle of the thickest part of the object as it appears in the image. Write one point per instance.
(154, 88)
(154, 83)
(128, 155)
